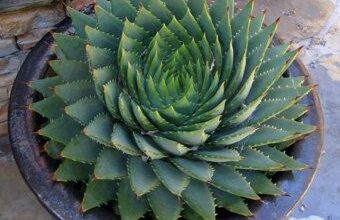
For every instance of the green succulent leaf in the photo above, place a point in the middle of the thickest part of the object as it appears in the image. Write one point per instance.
(231, 137)
(261, 184)
(100, 57)
(123, 140)
(82, 149)
(231, 202)
(164, 204)
(53, 149)
(294, 112)
(172, 178)
(141, 176)
(70, 170)
(130, 206)
(237, 184)
(100, 129)
(85, 109)
(51, 107)
(111, 165)
(198, 196)
(80, 20)
(190, 214)
(280, 157)
(170, 146)
(106, 21)
(70, 70)
(148, 147)
(104, 4)
(255, 160)
(62, 130)
(72, 47)
(45, 86)
(197, 169)
(73, 91)
(98, 192)
(218, 156)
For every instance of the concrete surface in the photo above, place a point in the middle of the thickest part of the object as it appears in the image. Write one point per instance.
(17, 202)
(321, 55)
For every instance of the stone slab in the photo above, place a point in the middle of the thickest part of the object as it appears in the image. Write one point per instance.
(10, 65)
(332, 36)
(3, 111)
(5, 150)
(3, 130)
(8, 79)
(79, 4)
(5, 92)
(332, 64)
(47, 17)
(29, 40)
(19, 23)
(13, 24)
(7, 46)
(3, 118)
(12, 5)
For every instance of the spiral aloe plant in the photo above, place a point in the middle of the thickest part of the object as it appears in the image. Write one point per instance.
(172, 107)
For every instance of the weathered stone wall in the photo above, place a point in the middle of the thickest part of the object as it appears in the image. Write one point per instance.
(22, 24)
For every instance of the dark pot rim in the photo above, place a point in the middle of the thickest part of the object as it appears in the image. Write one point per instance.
(63, 200)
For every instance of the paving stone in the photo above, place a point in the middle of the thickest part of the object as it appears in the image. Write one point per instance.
(3, 132)
(12, 5)
(47, 17)
(11, 64)
(80, 4)
(29, 40)
(332, 37)
(13, 24)
(19, 23)
(5, 92)
(9, 67)
(299, 19)
(7, 79)
(3, 121)
(17, 202)
(4, 62)
(331, 63)
(5, 149)
(7, 46)
(3, 111)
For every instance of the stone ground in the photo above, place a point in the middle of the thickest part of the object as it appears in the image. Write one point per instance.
(17, 202)
(322, 57)
(315, 24)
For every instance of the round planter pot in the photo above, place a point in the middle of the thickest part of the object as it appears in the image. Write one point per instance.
(63, 200)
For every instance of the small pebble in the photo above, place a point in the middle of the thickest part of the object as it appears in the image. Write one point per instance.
(318, 41)
(302, 208)
(289, 12)
(313, 64)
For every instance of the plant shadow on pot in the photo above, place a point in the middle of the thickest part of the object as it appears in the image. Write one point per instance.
(63, 200)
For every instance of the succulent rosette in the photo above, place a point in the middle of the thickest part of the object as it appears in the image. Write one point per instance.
(171, 107)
